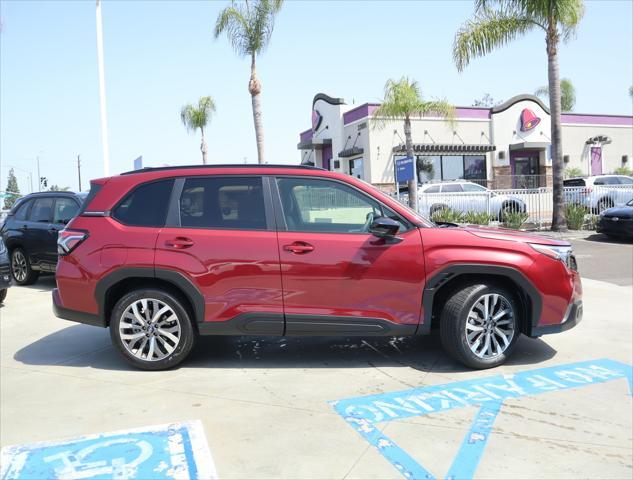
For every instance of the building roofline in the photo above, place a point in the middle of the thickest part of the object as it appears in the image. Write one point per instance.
(327, 99)
(519, 98)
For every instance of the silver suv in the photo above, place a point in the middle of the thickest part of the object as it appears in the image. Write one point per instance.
(599, 192)
(464, 196)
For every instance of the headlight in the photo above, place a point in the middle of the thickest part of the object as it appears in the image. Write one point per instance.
(564, 254)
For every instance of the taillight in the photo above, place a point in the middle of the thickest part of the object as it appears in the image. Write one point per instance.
(68, 240)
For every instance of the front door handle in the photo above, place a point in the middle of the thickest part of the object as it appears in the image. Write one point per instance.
(299, 248)
(179, 242)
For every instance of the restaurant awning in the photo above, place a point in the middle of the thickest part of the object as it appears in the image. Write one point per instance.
(351, 152)
(446, 148)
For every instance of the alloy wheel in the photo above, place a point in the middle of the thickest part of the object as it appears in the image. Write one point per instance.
(490, 326)
(150, 329)
(19, 266)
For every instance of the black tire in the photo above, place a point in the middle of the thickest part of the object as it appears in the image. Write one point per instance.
(436, 208)
(187, 335)
(508, 207)
(21, 269)
(604, 204)
(453, 325)
(3, 294)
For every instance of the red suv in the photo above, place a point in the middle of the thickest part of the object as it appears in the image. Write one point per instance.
(163, 255)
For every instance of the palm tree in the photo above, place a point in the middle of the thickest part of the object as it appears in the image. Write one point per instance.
(403, 100)
(495, 23)
(196, 117)
(567, 94)
(249, 27)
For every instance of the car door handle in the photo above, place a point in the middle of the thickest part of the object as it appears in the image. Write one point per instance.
(179, 242)
(24, 227)
(299, 247)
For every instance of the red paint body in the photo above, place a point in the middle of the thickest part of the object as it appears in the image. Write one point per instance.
(341, 275)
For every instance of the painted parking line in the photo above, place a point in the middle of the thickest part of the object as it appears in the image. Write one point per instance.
(488, 393)
(173, 451)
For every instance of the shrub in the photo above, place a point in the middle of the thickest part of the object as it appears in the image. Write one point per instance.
(573, 172)
(514, 220)
(575, 215)
(477, 218)
(623, 171)
(447, 215)
(592, 220)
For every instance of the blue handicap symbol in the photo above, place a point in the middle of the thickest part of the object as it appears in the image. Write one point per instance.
(172, 451)
(487, 393)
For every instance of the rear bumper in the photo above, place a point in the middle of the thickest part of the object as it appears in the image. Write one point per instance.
(75, 315)
(572, 318)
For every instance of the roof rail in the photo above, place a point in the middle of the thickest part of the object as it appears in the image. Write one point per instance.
(226, 165)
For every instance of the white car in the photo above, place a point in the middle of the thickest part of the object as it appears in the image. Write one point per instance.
(464, 196)
(598, 192)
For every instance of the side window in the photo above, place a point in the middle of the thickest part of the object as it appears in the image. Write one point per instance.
(313, 205)
(42, 210)
(223, 202)
(454, 187)
(471, 187)
(626, 180)
(65, 209)
(22, 210)
(146, 205)
(599, 181)
(435, 189)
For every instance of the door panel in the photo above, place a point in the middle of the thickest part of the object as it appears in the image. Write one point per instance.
(332, 268)
(38, 230)
(227, 246)
(352, 275)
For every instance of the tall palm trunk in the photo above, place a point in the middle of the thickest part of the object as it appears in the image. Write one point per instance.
(558, 213)
(412, 184)
(255, 88)
(203, 148)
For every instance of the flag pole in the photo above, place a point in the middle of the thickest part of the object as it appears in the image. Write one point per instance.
(102, 97)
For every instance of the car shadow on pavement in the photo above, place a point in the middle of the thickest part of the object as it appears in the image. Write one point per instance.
(45, 283)
(602, 238)
(83, 346)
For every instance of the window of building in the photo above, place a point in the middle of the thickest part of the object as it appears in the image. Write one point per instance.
(65, 210)
(451, 167)
(146, 205)
(223, 202)
(312, 205)
(42, 210)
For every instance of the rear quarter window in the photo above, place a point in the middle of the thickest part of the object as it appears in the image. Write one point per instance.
(146, 205)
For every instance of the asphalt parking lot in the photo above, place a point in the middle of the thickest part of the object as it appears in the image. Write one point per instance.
(276, 407)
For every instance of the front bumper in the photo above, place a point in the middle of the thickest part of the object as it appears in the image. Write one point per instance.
(75, 315)
(622, 226)
(572, 318)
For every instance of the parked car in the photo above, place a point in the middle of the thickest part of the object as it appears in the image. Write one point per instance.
(464, 196)
(30, 232)
(5, 278)
(617, 221)
(163, 255)
(599, 192)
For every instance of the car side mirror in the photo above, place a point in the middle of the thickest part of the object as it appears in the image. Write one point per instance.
(384, 227)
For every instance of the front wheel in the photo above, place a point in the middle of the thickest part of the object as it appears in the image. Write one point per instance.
(479, 325)
(152, 329)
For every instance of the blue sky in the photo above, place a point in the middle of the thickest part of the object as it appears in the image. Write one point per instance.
(160, 55)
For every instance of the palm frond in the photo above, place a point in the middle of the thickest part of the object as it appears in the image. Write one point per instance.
(488, 30)
(234, 21)
(197, 117)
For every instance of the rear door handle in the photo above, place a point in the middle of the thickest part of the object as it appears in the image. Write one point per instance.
(179, 242)
(299, 247)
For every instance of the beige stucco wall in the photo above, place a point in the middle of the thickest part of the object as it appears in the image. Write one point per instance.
(575, 136)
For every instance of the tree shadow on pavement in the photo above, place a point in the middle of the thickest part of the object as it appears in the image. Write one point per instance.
(84, 346)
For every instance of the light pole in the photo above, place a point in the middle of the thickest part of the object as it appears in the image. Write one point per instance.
(39, 178)
(102, 97)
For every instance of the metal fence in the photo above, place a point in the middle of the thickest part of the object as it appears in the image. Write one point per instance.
(536, 202)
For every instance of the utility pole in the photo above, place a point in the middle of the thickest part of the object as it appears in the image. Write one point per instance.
(102, 96)
(79, 170)
(39, 179)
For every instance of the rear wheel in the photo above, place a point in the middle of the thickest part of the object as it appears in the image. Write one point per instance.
(21, 269)
(152, 329)
(479, 325)
(604, 204)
